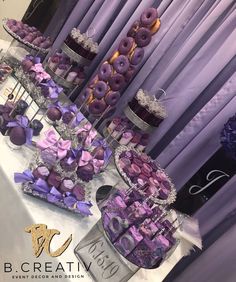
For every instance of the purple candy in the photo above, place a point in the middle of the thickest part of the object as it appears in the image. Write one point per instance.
(128, 241)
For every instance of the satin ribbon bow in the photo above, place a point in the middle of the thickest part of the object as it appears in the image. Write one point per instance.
(91, 133)
(50, 141)
(57, 105)
(82, 206)
(40, 73)
(85, 158)
(29, 57)
(22, 121)
(54, 195)
(26, 176)
(54, 89)
(41, 186)
(50, 89)
(97, 164)
(107, 151)
(74, 155)
(73, 108)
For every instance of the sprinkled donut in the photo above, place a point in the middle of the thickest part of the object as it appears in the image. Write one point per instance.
(137, 56)
(143, 37)
(116, 82)
(121, 64)
(105, 71)
(126, 45)
(100, 89)
(112, 98)
(148, 17)
(96, 107)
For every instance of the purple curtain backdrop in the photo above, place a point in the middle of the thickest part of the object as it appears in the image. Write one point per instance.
(200, 120)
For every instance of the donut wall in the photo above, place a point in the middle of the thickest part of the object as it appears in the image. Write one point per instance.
(104, 90)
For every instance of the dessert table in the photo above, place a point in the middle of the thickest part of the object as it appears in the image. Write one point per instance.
(19, 211)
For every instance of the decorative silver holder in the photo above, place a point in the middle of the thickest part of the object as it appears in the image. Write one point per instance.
(74, 56)
(172, 195)
(136, 120)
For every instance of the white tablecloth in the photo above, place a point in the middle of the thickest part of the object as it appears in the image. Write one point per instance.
(19, 211)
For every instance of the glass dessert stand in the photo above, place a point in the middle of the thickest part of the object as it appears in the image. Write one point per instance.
(107, 263)
(172, 192)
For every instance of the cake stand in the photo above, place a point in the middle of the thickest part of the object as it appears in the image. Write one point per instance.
(137, 121)
(172, 195)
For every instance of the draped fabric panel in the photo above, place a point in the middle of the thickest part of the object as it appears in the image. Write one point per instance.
(198, 151)
(199, 121)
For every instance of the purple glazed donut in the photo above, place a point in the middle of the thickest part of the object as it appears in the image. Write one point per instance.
(143, 37)
(112, 98)
(105, 71)
(133, 30)
(93, 81)
(100, 89)
(85, 94)
(116, 82)
(126, 45)
(137, 56)
(96, 107)
(129, 74)
(121, 64)
(148, 17)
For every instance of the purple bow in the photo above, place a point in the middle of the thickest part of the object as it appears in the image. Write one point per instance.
(73, 108)
(59, 146)
(26, 176)
(85, 158)
(29, 57)
(91, 134)
(57, 105)
(82, 206)
(74, 154)
(40, 73)
(53, 89)
(22, 121)
(107, 151)
(41, 186)
(54, 195)
(79, 116)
